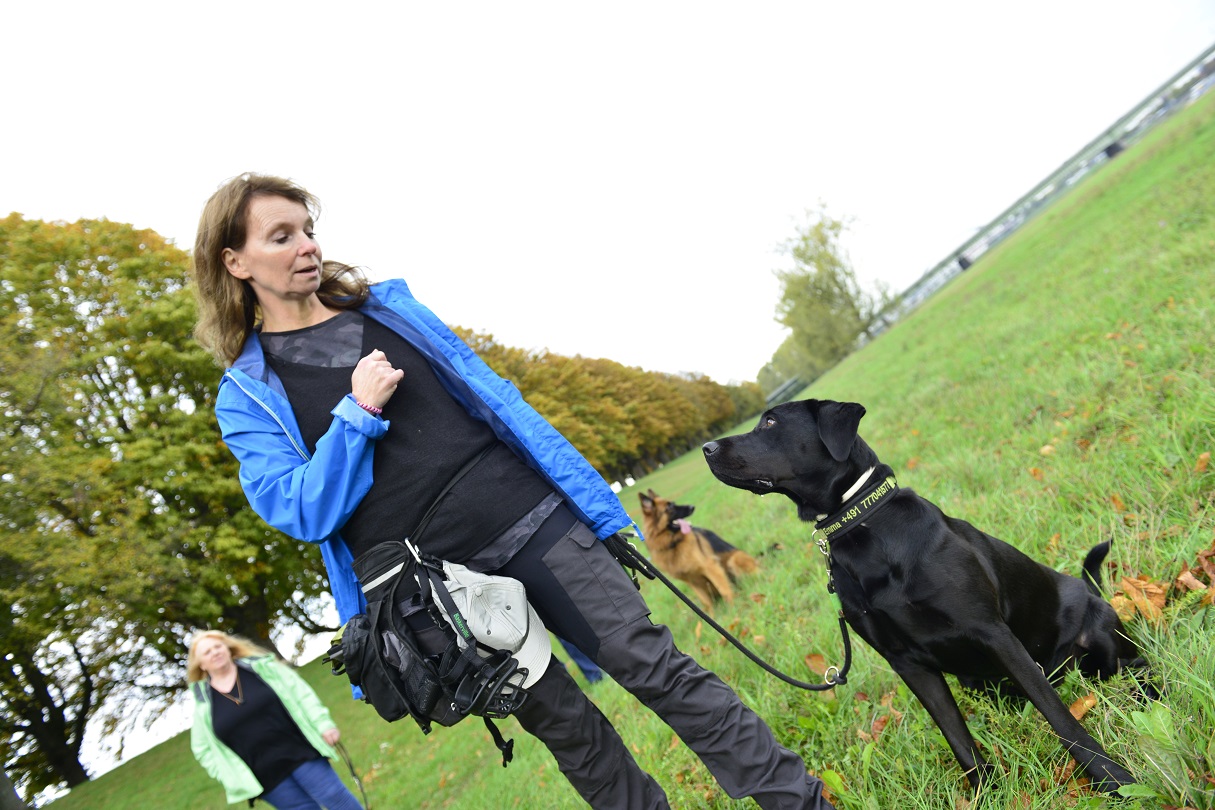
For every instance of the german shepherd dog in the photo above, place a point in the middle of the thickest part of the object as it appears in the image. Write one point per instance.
(930, 592)
(697, 556)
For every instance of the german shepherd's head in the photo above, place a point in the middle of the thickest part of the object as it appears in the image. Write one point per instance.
(660, 515)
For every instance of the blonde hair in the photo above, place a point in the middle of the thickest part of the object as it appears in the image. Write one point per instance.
(238, 646)
(227, 306)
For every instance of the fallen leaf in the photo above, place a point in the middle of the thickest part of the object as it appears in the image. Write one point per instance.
(912, 463)
(1190, 582)
(1124, 607)
(1080, 707)
(1203, 460)
(816, 663)
(758, 597)
(1036, 474)
(1148, 597)
(1047, 450)
(879, 725)
(1117, 502)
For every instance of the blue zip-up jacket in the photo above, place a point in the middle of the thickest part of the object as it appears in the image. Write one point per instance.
(311, 497)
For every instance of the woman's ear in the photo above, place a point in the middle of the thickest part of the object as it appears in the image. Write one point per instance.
(233, 263)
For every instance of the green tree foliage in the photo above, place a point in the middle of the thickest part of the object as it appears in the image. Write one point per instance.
(821, 302)
(625, 420)
(125, 526)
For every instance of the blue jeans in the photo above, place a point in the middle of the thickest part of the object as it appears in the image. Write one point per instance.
(590, 671)
(312, 786)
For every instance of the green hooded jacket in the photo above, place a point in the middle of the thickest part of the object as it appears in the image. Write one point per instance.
(220, 761)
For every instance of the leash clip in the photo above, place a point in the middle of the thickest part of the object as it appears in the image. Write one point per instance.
(821, 542)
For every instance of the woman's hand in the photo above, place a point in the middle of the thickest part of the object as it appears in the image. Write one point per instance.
(374, 379)
(331, 735)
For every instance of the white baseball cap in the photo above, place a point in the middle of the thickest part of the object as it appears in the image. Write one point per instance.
(499, 615)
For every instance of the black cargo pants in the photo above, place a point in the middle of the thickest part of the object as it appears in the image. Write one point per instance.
(583, 595)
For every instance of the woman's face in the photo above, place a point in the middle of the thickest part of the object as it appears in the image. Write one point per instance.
(281, 259)
(213, 654)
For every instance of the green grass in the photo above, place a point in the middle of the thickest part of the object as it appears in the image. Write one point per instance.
(1089, 332)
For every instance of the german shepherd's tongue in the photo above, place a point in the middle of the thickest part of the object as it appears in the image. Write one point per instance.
(684, 526)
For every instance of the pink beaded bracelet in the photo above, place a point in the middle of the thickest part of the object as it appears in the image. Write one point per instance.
(371, 409)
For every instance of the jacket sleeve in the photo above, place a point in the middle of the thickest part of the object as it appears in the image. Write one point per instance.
(305, 699)
(307, 498)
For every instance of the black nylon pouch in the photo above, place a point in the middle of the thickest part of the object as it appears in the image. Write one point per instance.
(400, 644)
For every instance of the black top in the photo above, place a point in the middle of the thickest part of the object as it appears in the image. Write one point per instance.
(259, 730)
(430, 438)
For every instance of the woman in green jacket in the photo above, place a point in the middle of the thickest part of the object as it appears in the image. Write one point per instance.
(260, 729)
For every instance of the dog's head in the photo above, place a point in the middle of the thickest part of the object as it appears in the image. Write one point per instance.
(807, 450)
(661, 513)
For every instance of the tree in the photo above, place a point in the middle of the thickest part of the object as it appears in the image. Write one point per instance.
(125, 526)
(821, 302)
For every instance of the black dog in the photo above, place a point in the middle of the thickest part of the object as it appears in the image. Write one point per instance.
(932, 593)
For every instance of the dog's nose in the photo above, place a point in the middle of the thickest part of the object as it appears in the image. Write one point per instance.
(710, 448)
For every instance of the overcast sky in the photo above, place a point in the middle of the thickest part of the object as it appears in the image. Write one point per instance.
(613, 179)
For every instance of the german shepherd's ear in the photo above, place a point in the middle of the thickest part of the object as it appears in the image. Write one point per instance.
(837, 424)
(647, 501)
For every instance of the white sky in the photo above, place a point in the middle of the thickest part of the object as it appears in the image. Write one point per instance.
(612, 179)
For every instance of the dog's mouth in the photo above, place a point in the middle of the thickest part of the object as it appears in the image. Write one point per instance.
(744, 483)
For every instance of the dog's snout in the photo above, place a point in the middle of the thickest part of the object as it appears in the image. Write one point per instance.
(710, 448)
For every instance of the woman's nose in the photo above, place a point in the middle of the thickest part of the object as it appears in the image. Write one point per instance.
(309, 246)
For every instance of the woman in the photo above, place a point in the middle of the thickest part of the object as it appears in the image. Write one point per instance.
(350, 407)
(260, 729)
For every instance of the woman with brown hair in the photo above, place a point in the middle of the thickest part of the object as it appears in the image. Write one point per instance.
(357, 415)
(260, 729)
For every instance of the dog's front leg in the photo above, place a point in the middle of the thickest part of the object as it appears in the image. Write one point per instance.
(1106, 774)
(932, 690)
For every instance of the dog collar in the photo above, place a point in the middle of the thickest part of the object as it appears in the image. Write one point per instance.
(863, 504)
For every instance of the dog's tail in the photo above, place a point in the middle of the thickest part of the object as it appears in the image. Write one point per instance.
(1092, 566)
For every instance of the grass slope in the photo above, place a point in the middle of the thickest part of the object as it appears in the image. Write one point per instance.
(1057, 394)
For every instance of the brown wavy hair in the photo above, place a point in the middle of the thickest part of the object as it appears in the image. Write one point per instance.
(238, 646)
(227, 307)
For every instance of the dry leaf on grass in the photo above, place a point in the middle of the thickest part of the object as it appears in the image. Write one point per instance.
(816, 663)
(1080, 707)
(1203, 460)
(1139, 596)
(1190, 582)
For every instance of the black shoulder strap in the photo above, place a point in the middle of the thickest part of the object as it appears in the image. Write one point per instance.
(434, 505)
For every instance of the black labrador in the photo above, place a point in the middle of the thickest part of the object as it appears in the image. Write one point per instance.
(932, 593)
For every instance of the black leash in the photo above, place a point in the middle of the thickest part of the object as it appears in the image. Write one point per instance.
(345, 755)
(629, 557)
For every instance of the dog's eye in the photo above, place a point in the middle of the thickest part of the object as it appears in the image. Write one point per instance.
(768, 421)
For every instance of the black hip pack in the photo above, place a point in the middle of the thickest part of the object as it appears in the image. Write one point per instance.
(408, 659)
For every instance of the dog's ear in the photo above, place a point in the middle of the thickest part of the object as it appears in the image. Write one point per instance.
(837, 424)
(647, 503)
